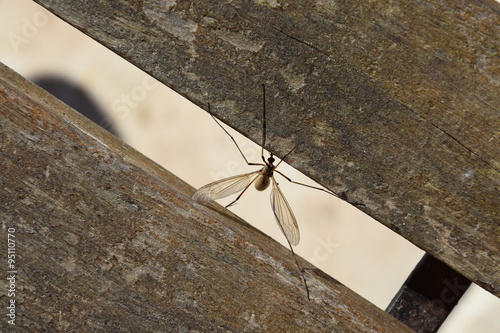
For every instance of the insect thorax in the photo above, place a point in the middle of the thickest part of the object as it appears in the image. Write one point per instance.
(263, 180)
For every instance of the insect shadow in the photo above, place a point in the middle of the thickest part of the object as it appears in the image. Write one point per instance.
(261, 179)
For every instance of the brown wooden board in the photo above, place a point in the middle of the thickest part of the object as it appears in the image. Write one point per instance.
(394, 105)
(106, 240)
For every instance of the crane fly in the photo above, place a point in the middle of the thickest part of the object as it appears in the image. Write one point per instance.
(261, 179)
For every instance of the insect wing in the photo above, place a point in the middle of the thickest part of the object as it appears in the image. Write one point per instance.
(224, 187)
(284, 215)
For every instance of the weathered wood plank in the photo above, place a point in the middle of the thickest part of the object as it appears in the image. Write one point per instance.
(392, 104)
(106, 240)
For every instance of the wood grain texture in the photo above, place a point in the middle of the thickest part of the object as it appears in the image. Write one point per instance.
(106, 240)
(394, 105)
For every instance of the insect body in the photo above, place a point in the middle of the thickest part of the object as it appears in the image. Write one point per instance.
(261, 180)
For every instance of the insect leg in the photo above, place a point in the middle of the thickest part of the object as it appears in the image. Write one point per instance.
(281, 160)
(300, 270)
(239, 196)
(306, 185)
(210, 111)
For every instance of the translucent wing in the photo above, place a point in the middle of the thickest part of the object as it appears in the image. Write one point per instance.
(224, 187)
(284, 215)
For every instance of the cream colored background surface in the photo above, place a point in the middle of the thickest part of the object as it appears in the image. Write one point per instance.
(345, 243)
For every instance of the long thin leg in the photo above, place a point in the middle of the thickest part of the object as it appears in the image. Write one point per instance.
(239, 196)
(285, 157)
(210, 111)
(263, 122)
(306, 185)
(300, 270)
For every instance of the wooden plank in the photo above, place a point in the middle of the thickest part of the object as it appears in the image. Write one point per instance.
(106, 240)
(393, 105)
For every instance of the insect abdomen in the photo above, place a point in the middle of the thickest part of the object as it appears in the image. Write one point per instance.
(262, 182)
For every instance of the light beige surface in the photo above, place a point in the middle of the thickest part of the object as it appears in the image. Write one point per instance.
(345, 243)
